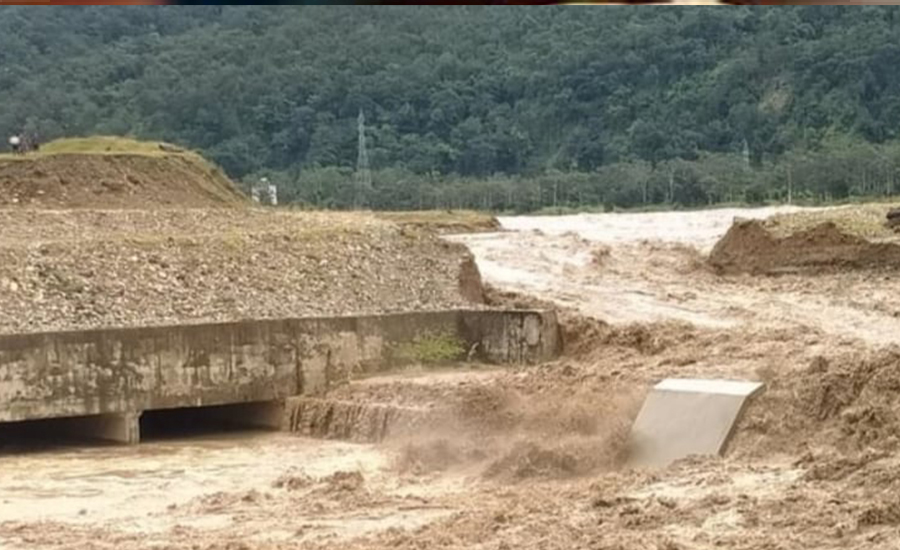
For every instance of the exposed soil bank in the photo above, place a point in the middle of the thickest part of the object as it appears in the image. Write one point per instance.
(749, 247)
(115, 181)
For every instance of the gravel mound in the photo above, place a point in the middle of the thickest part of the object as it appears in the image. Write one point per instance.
(63, 270)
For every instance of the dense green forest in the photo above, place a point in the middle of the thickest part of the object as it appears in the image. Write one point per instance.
(488, 107)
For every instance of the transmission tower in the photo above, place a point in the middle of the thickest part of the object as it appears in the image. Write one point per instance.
(363, 178)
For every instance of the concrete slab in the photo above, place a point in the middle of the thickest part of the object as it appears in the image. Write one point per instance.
(683, 417)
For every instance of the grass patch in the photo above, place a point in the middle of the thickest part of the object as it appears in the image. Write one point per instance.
(431, 349)
(862, 220)
(458, 221)
(114, 145)
(99, 145)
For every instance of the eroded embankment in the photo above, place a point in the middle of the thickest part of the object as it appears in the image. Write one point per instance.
(749, 247)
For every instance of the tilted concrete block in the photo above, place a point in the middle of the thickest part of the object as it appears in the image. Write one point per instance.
(683, 417)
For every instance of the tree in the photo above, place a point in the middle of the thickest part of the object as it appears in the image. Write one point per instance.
(564, 107)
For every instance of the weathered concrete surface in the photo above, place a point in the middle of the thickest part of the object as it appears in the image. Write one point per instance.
(683, 417)
(67, 374)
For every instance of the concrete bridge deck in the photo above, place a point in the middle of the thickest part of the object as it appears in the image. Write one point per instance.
(101, 381)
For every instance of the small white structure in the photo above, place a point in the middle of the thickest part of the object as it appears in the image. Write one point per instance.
(264, 192)
(683, 417)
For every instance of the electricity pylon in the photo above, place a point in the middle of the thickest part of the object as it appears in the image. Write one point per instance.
(363, 178)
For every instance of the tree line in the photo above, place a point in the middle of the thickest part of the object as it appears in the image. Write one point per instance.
(480, 107)
(839, 169)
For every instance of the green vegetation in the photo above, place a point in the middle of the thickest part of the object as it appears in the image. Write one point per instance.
(478, 107)
(431, 349)
(105, 145)
(98, 145)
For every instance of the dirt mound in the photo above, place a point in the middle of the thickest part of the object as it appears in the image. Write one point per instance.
(749, 247)
(115, 181)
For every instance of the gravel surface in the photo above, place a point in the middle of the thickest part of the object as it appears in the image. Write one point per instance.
(72, 269)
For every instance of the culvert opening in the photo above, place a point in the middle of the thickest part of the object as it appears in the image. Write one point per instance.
(52, 433)
(211, 420)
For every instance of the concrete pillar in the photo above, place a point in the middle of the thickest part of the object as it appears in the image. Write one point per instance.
(118, 427)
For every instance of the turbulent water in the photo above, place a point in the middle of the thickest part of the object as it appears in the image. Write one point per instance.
(136, 485)
(273, 491)
(650, 267)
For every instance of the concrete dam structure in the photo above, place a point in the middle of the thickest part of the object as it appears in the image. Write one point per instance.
(110, 383)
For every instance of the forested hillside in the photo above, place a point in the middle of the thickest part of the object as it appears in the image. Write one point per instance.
(506, 108)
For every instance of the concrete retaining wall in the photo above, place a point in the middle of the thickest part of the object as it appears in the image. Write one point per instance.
(67, 374)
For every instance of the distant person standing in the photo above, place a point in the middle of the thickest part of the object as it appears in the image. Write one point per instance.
(15, 143)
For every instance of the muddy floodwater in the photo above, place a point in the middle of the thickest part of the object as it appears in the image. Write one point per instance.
(137, 487)
(199, 484)
(651, 267)
(535, 457)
